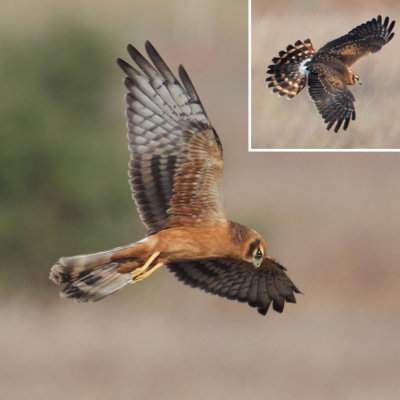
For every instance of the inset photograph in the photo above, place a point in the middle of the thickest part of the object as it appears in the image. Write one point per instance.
(305, 80)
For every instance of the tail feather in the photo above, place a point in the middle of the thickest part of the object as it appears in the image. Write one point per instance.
(288, 71)
(89, 277)
(96, 284)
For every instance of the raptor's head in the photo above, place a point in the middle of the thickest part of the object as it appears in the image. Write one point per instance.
(256, 250)
(248, 244)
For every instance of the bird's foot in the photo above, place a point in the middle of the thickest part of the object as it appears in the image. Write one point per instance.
(139, 277)
(146, 269)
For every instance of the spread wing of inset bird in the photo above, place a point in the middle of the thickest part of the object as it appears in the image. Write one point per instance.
(327, 72)
(175, 175)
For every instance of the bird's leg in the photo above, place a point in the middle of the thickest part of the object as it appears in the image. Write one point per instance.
(145, 274)
(140, 273)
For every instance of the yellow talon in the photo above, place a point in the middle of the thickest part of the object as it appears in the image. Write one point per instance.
(150, 260)
(140, 273)
(145, 274)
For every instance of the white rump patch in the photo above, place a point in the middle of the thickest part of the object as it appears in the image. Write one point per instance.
(303, 67)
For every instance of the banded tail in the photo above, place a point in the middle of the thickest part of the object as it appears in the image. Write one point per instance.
(289, 75)
(89, 277)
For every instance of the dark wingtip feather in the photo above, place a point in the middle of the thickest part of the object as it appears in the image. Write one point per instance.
(159, 63)
(278, 304)
(338, 125)
(329, 126)
(151, 51)
(133, 52)
(290, 298)
(385, 22)
(346, 123)
(123, 65)
(149, 47)
(251, 303)
(391, 26)
(262, 310)
(187, 83)
(128, 82)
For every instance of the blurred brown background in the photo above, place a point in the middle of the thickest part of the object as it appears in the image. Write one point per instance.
(331, 219)
(280, 123)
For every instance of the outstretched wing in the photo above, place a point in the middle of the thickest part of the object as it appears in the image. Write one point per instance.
(364, 39)
(176, 156)
(239, 280)
(333, 99)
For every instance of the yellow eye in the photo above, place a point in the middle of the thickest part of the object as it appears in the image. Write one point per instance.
(258, 253)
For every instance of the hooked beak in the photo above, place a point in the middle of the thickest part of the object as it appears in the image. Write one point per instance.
(257, 262)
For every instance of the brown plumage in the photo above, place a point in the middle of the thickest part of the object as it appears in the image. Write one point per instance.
(327, 71)
(176, 180)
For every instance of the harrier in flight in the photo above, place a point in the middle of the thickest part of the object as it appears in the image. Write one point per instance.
(327, 71)
(176, 179)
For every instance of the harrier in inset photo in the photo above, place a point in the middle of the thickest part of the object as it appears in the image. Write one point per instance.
(176, 179)
(327, 71)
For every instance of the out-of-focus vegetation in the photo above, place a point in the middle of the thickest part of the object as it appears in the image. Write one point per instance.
(58, 137)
